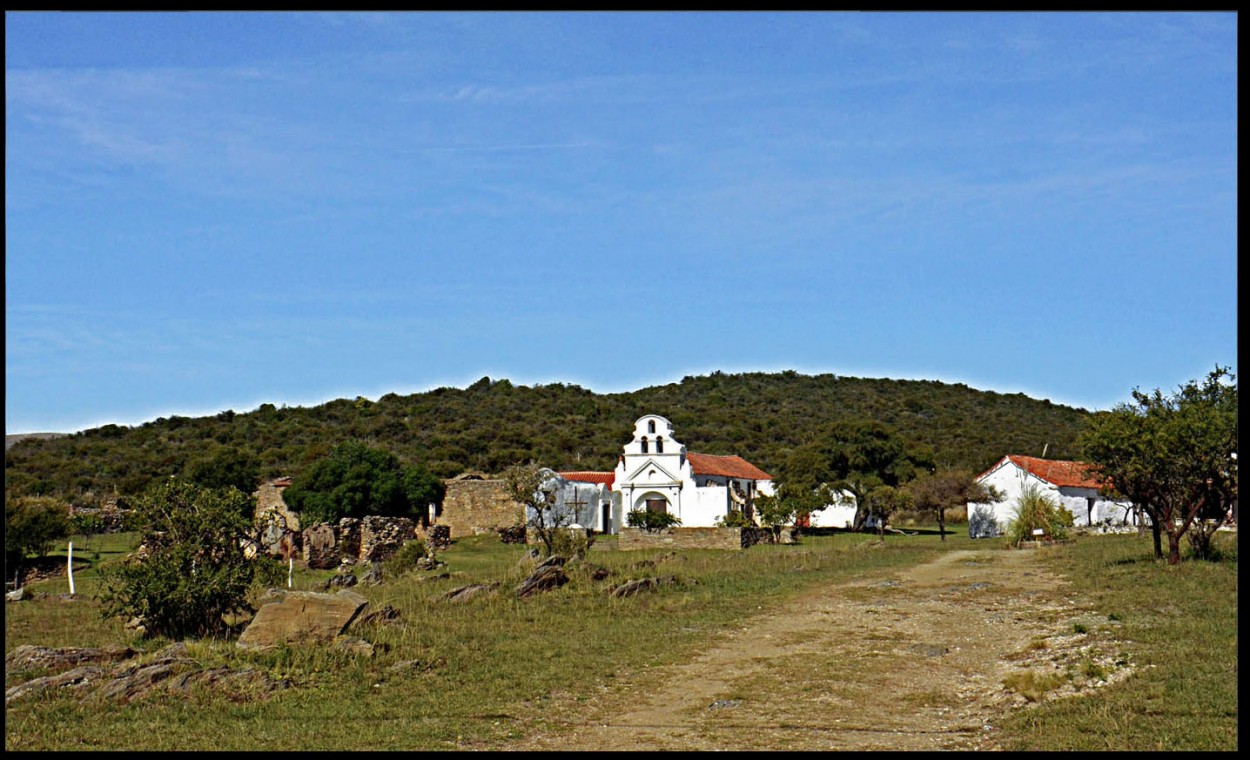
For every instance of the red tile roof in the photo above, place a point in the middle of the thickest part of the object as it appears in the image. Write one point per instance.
(1060, 472)
(728, 466)
(607, 478)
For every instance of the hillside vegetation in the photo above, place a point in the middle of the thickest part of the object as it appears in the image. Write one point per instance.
(492, 424)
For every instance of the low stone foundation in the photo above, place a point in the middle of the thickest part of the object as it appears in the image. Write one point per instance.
(1034, 544)
(689, 538)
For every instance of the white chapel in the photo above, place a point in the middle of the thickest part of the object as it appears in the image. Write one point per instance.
(655, 472)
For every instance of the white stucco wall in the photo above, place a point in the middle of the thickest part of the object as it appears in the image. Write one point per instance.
(1011, 480)
(576, 502)
(838, 514)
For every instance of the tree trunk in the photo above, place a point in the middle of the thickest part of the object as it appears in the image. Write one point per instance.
(861, 516)
(941, 515)
(1174, 548)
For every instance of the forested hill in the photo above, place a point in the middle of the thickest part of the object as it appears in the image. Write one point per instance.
(493, 424)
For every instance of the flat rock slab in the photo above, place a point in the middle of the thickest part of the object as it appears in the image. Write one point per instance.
(302, 617)
(27, 656)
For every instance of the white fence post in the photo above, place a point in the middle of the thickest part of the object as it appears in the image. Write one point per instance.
(70, 568)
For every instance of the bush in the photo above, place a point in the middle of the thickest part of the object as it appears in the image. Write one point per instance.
(228, 468)
(735, 519)
(87, 524)
(1034, 510)
(407, 557)
(572, 544)
(650, 521)
(190, 571)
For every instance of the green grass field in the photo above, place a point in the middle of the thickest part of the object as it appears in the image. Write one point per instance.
(487, 661)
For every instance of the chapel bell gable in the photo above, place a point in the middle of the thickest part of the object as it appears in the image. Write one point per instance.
(653, 435)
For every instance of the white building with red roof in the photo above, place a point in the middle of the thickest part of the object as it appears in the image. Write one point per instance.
(655, 472)
(1073, 485)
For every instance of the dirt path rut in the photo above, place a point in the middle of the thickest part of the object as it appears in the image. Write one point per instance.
(910, 661)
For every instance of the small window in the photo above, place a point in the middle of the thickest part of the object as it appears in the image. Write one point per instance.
(650, 426)
(659, 444)
(644, 444)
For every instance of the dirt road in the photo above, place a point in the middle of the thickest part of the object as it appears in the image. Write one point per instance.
(909, 661)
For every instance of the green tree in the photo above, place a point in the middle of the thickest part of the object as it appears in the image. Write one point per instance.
(946, 489)
(775, 512)
(882, 501)
(356, 480)
(801, 481)
(1175, 456)
(32, 526)
(190, 570)
(859, 455)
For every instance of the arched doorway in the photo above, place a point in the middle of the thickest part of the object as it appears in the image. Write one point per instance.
(652, 501)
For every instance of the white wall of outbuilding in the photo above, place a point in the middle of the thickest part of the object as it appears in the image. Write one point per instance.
(1087, 506)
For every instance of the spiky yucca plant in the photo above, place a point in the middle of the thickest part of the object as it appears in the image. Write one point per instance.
(1035, 509)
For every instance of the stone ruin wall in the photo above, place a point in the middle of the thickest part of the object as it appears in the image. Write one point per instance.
(474, 505)
(277, 526)
(366, 539)
(325, 546)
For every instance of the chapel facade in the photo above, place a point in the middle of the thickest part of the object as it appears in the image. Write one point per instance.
(656, 473)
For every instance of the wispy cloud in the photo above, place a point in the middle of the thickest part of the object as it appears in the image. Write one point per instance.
(489, 148)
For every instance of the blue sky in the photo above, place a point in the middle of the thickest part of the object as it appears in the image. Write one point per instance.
(210, 211)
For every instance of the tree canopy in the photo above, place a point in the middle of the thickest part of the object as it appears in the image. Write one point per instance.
(227, 467)
(856, 455)
(356, 480)
(762, 417)
(1174, 455)
(946, 489)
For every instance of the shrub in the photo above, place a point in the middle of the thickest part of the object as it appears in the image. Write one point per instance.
(1034, 510)
(735, 519)
(87, 524)
(228, 467)
(407, 557)
(190, 571)
(571, 543)
(651, 522)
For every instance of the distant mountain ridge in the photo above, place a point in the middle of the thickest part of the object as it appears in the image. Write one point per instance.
(9, 440)
(492, 424)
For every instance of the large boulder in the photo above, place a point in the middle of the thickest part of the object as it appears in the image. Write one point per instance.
(300, 617)
(545, 577)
